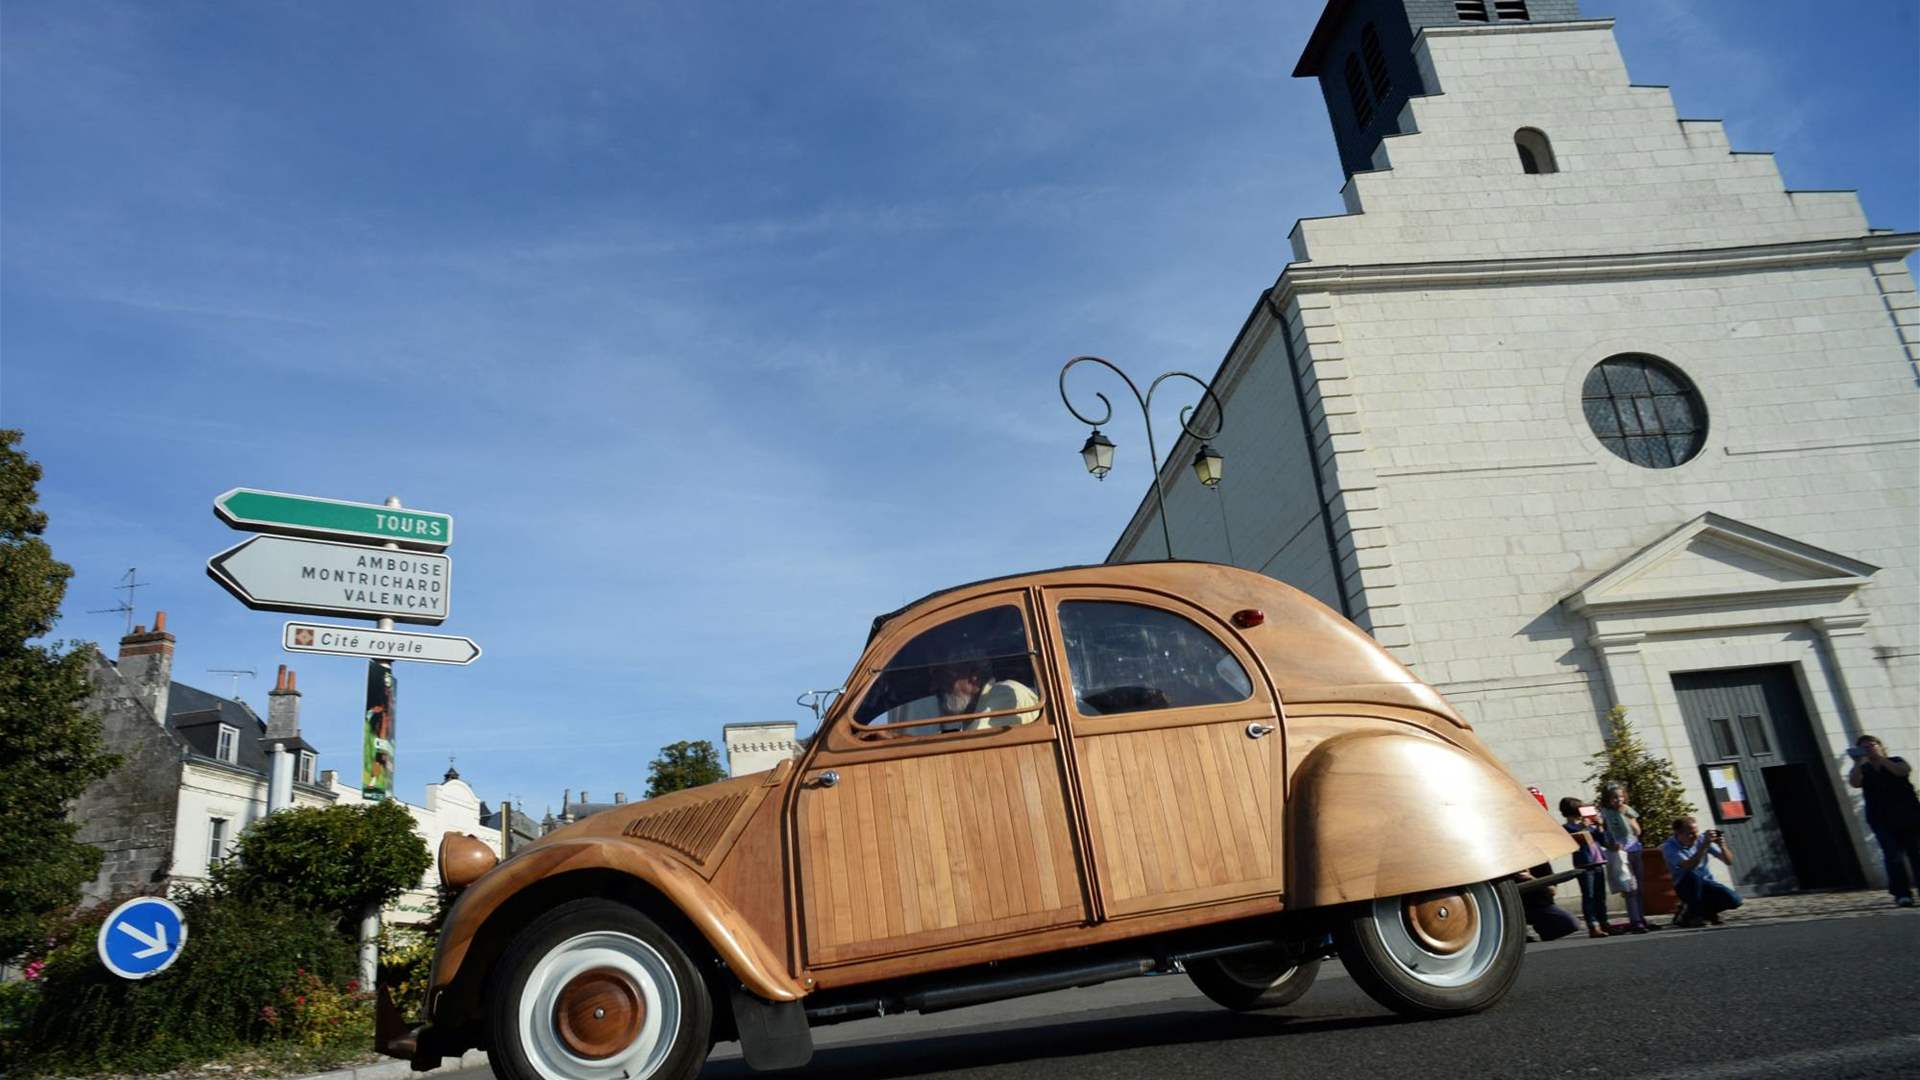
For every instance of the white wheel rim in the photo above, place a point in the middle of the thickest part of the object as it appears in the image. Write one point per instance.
(1468, 959)
(632, 958)
(1256, 969)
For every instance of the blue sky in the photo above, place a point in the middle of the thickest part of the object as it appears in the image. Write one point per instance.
(719, 328)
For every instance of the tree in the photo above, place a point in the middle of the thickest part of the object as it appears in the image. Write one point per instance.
(337, 859)
(50, 746)
(684, 765)
(1653, 788)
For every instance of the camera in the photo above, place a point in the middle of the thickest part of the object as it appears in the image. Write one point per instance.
(1856, 753)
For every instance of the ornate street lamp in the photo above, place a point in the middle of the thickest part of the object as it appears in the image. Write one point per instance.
(1098, 454)
(1207, 465)
(1098, 450)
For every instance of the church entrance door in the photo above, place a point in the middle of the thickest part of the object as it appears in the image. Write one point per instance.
(1754, 720)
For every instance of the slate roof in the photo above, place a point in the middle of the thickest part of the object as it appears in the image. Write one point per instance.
(196, 716)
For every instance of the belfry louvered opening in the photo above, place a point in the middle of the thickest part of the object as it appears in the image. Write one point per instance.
(1470, 10)
(1376, 58)
(1510, 10)
(1357, 90)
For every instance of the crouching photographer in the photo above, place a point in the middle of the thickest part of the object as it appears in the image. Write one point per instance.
(1687, 855)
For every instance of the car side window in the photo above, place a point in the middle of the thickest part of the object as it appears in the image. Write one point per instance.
(942, 679)
(1126, 658)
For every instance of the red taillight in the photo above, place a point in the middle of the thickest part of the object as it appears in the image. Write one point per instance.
(1249, 617)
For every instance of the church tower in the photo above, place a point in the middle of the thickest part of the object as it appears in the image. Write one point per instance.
(1576, 406)
(1361, 51)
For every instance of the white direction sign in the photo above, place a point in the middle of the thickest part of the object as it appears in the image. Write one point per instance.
(320, 577)
(378, 644)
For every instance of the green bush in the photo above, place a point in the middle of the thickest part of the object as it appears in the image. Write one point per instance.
(251, 972)
(337, 859)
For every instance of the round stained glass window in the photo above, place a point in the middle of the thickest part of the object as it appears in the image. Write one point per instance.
(1644, 410)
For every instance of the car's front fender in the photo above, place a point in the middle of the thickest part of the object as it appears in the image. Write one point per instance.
(759, 968)
(1380, 813)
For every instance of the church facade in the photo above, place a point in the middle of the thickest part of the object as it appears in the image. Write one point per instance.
(1577, 407)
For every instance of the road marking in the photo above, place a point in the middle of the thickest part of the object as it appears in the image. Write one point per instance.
(1900, 1047)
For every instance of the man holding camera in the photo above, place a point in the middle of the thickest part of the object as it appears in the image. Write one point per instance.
(1687, 862)
(1893, 811)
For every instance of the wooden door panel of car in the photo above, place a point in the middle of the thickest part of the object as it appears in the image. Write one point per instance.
(922, 852)
(1182, 801)
(1180, 815)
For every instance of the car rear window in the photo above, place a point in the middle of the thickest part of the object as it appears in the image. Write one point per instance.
(1126, 658)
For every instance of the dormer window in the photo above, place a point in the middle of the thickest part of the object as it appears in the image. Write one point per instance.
(227, 748)
(1376, 58)
(303, 771)
(1536, 153)
(1357, 90)
(1510, 10)
(1470, 10)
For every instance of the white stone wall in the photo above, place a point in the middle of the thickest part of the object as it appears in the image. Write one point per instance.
(753, 748)
(208, 791)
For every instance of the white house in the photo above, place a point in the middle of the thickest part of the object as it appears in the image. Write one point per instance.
(1576, 406)
(189, 784)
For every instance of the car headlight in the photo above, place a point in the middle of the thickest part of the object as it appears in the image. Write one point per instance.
(463, 858)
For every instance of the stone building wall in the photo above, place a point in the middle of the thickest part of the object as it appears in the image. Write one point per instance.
(130, 814)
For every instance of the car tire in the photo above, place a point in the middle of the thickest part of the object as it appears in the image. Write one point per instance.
(1439, 953)
(1260, 979)
(595, 990)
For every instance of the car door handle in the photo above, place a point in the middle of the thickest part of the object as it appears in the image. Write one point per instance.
(1257, 730)
(824, 779)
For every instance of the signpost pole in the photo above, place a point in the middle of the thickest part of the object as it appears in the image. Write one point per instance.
(370, 922)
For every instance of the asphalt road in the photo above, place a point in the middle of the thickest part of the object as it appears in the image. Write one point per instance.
(1831, 998)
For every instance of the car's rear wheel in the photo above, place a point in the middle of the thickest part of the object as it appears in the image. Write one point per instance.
(1258, 979)
(594, 990)
(1437, 953)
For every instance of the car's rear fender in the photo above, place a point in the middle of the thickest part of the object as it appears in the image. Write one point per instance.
(1381, 813)
(486, 913)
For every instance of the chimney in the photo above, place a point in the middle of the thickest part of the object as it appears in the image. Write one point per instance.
(146, 663)
(283, 707)
(619, 797)
(583, 796)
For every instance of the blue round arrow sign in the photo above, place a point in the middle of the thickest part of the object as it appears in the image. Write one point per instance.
(142, 937)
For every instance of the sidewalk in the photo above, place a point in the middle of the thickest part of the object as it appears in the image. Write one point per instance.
(1845, 903)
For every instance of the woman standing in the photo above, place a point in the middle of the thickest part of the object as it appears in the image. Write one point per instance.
(1622, 823)
(1591, 856)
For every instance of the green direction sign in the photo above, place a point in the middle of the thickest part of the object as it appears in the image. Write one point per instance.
(302, 515)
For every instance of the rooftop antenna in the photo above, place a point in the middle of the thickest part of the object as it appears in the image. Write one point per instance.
(128, 581)
(233, 673)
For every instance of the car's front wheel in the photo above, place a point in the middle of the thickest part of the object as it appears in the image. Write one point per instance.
(1438, 953)
(594, 990)
(1258, 979)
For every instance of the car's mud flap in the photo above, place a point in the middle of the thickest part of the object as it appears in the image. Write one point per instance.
(772, 1035)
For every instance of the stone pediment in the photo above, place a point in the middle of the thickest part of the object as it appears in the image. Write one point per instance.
(1715, 561)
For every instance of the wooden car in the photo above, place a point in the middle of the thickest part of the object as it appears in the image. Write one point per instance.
(1030, 783)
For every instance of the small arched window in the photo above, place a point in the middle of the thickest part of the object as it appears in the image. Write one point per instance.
(1376, 62)
(1536, 153)
(1357, 90)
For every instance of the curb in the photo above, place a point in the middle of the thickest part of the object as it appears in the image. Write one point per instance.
(395, 1069)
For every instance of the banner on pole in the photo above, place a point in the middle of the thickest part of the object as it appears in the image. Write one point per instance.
(376, 766)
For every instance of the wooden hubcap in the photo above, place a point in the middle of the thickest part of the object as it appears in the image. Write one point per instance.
(599, 1013)
(1443, 923)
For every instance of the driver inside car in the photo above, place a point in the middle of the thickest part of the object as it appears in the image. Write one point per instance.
(964, 687)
